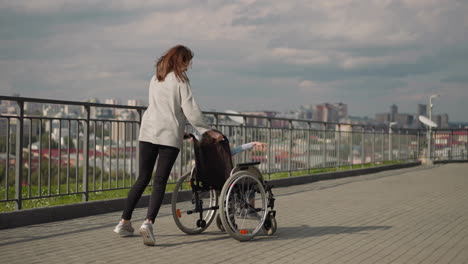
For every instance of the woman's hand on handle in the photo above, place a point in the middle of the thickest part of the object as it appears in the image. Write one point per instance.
(259, 146)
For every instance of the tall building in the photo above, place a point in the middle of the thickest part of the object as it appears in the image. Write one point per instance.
(422, 109)
(111, 101)
(264, 121)
(329, 112)
(444, 121)
(404, 120)
(342, 110)
(382, 118)
(134, 102)
(318, 112)
(393, 112)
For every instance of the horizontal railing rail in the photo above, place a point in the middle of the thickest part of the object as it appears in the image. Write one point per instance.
(94, 148)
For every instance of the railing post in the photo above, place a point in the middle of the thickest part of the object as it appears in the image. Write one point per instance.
(244, 137)
(466, 144)
(451, 144)
(382, 146)
(19, 157)
(86, 155)
(309, 127)
(324, 145)
(417, 145)
(407, 146)
(390, 143)
(373, 146)
(429, 142)
(137, 154)
(338, 154)
(363, 153)
(290, 147)
(216, 121)
(351, 154)
(269, 149)
(399, 145)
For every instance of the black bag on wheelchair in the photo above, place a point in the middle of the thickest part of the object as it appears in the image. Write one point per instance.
(213, 163)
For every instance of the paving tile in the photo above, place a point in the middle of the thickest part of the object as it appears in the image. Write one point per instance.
(414, 215)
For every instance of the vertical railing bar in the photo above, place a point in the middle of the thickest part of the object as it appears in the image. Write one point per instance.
(29, 157)
(338, 154)
(68, 155)
(399, 145)
(290, 147)
(451, 144)
(94, 155)
(39, 181)
(50, 158)
(77, 163)
(363, 151)
(110, 154)
(269, 150)
(137, 154)
(125, 155)
(407, 145)
(308, 147)
(59, 165)
(85, 195)
(244, 137)
(417, 146)
(373, 146)
(131, 152)
(19, 157)
(118, 155)
(382, 146)
(102, 155)
(7, 161)
(351, 153)
(325, 146)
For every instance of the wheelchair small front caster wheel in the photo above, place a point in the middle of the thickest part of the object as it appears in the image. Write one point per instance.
(270, 225)
(219, 223)
(201, 223)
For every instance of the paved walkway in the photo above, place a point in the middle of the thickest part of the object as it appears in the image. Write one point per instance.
(415, 215)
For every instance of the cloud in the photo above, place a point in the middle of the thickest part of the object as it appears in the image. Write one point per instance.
(461, 78)
(300, 51)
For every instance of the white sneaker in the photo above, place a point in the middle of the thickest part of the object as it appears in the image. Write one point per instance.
(124, 229)
(146, 232)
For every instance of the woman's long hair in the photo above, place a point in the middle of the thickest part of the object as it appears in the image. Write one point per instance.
(176, 59)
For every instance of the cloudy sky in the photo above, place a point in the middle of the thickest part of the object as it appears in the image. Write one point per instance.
(249, 55)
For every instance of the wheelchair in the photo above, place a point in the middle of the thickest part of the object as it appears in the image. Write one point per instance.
(243, 207)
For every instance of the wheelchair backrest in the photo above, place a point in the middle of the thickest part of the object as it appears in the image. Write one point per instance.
(213, 163)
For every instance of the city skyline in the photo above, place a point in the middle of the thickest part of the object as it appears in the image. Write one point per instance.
(325, 112)
(248, 56)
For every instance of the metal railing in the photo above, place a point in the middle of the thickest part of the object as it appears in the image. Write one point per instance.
(95, 147)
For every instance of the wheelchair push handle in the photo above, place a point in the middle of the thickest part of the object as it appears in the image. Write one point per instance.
(192, 136)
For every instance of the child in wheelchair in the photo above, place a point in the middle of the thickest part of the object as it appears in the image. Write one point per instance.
(250, 212)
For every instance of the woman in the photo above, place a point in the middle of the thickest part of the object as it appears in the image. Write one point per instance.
(161, 134)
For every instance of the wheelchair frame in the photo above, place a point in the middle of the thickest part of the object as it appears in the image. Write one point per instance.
(234, 202)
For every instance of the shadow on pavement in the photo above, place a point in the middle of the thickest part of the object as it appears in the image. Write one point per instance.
(303, 231)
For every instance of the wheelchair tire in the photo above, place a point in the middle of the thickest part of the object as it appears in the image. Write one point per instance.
(235, 206)
(191, 223)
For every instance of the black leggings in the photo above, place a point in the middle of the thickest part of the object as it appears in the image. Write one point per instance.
(148, 154)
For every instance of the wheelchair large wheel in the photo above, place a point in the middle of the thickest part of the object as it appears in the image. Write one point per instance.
(185, 213)
(243, 206)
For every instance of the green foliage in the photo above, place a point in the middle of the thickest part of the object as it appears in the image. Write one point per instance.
(109, 181)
